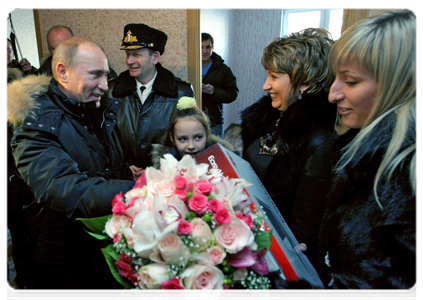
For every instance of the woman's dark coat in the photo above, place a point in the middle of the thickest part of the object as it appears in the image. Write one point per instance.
(298, 176)
(69, 155)
(142, 125)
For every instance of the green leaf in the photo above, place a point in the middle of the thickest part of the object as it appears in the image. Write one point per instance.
(126, 294)
(264, 295)
(101, 237)
(96, 225)
(263, 240)
(111, 257)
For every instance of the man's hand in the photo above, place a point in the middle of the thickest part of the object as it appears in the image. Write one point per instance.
(25, 65)
(136, 172)
(207, 88)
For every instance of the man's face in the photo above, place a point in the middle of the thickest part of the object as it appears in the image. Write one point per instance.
(56, 37)
(10, 54)
(206, 50)
(87, 80)
(142, 64)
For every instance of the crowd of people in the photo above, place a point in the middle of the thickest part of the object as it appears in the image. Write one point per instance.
(333, 141)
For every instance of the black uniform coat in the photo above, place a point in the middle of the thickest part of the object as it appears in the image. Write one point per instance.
(142, 125)
(69, 155)
(298, 177)
(220, 76)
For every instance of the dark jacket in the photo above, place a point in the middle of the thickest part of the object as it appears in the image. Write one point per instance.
(160, 150)
(298, 176)
(46, 67)
(369, 247)
(69, 155)
(225, 89)
(143, 125)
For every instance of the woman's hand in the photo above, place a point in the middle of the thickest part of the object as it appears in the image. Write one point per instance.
(136, 172)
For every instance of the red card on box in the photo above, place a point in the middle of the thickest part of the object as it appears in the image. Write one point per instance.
(283, 256)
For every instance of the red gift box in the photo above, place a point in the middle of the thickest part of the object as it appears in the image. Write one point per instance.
(283, 256)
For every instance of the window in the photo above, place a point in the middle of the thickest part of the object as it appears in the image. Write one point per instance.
(294, 20)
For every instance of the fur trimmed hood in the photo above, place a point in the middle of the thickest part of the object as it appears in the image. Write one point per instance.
(21, 95)
(160, 150)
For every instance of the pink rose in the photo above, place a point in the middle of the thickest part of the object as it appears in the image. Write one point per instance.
(215, 205)
(181, 193)
(202, 277)
(249, 221)
(190, 186)
(172, 249)
(117, 198)
(180, 182)
(217, 253)
(153, 275)
(201, 234)
(165, 187)
(184, 227)
(234, 236)
(205, 187)
(222, 216)
(119, 208)
(240, 274)
(115, 223)
(172, 290)
(198, 203)
(226, 293)
(124, 269)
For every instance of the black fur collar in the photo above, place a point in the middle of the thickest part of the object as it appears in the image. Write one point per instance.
(164, 84)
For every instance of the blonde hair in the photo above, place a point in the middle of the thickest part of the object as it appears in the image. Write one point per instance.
(303, 56)
(386, 46)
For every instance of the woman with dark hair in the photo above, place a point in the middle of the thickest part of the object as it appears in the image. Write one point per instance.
(288, 134)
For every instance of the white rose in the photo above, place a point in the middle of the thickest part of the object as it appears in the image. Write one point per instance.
(201, 277)
(153, 275)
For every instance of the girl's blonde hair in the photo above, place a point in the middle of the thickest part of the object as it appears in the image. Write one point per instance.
(386, 46)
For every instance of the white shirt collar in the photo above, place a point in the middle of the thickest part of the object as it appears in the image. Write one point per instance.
(148, 88)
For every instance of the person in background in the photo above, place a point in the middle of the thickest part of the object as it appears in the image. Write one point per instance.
(24, 65)
(289, 133)
(67, 151)
(188, 133)
(218, 84)
(370, 235)
(148, 92)
(55, 36)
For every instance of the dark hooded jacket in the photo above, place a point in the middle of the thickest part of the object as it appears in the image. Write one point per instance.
(223, 80)
(160, 150)
(142, 125)
(298, 176)
(69, 155)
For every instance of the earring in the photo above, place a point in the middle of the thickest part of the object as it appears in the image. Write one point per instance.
(301, 95)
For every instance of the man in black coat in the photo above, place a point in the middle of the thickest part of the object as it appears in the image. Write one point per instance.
(148, 92)
(219, 84)
(67, 151)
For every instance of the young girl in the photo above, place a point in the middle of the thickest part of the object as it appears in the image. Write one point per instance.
(188, 133)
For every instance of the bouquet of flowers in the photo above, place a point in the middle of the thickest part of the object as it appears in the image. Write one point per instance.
(185, 227)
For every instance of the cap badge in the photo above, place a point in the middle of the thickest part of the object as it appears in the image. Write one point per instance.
(130, 38)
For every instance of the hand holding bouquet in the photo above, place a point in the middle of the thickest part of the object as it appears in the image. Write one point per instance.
(184, 227)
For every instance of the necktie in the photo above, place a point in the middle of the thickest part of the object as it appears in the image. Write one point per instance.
(142, 89)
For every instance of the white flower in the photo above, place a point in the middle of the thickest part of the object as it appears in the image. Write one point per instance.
(186, 102)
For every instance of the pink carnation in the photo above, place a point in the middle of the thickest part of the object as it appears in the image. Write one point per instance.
(117, 198)
(172, 290)
(249, 221)
(226, 293)
(124, 257)
(184, 227)
(181, 193)
(205, 187)
(215, 205)
(222, 217)
(119, 208)
(198, 203)
(180, 182)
